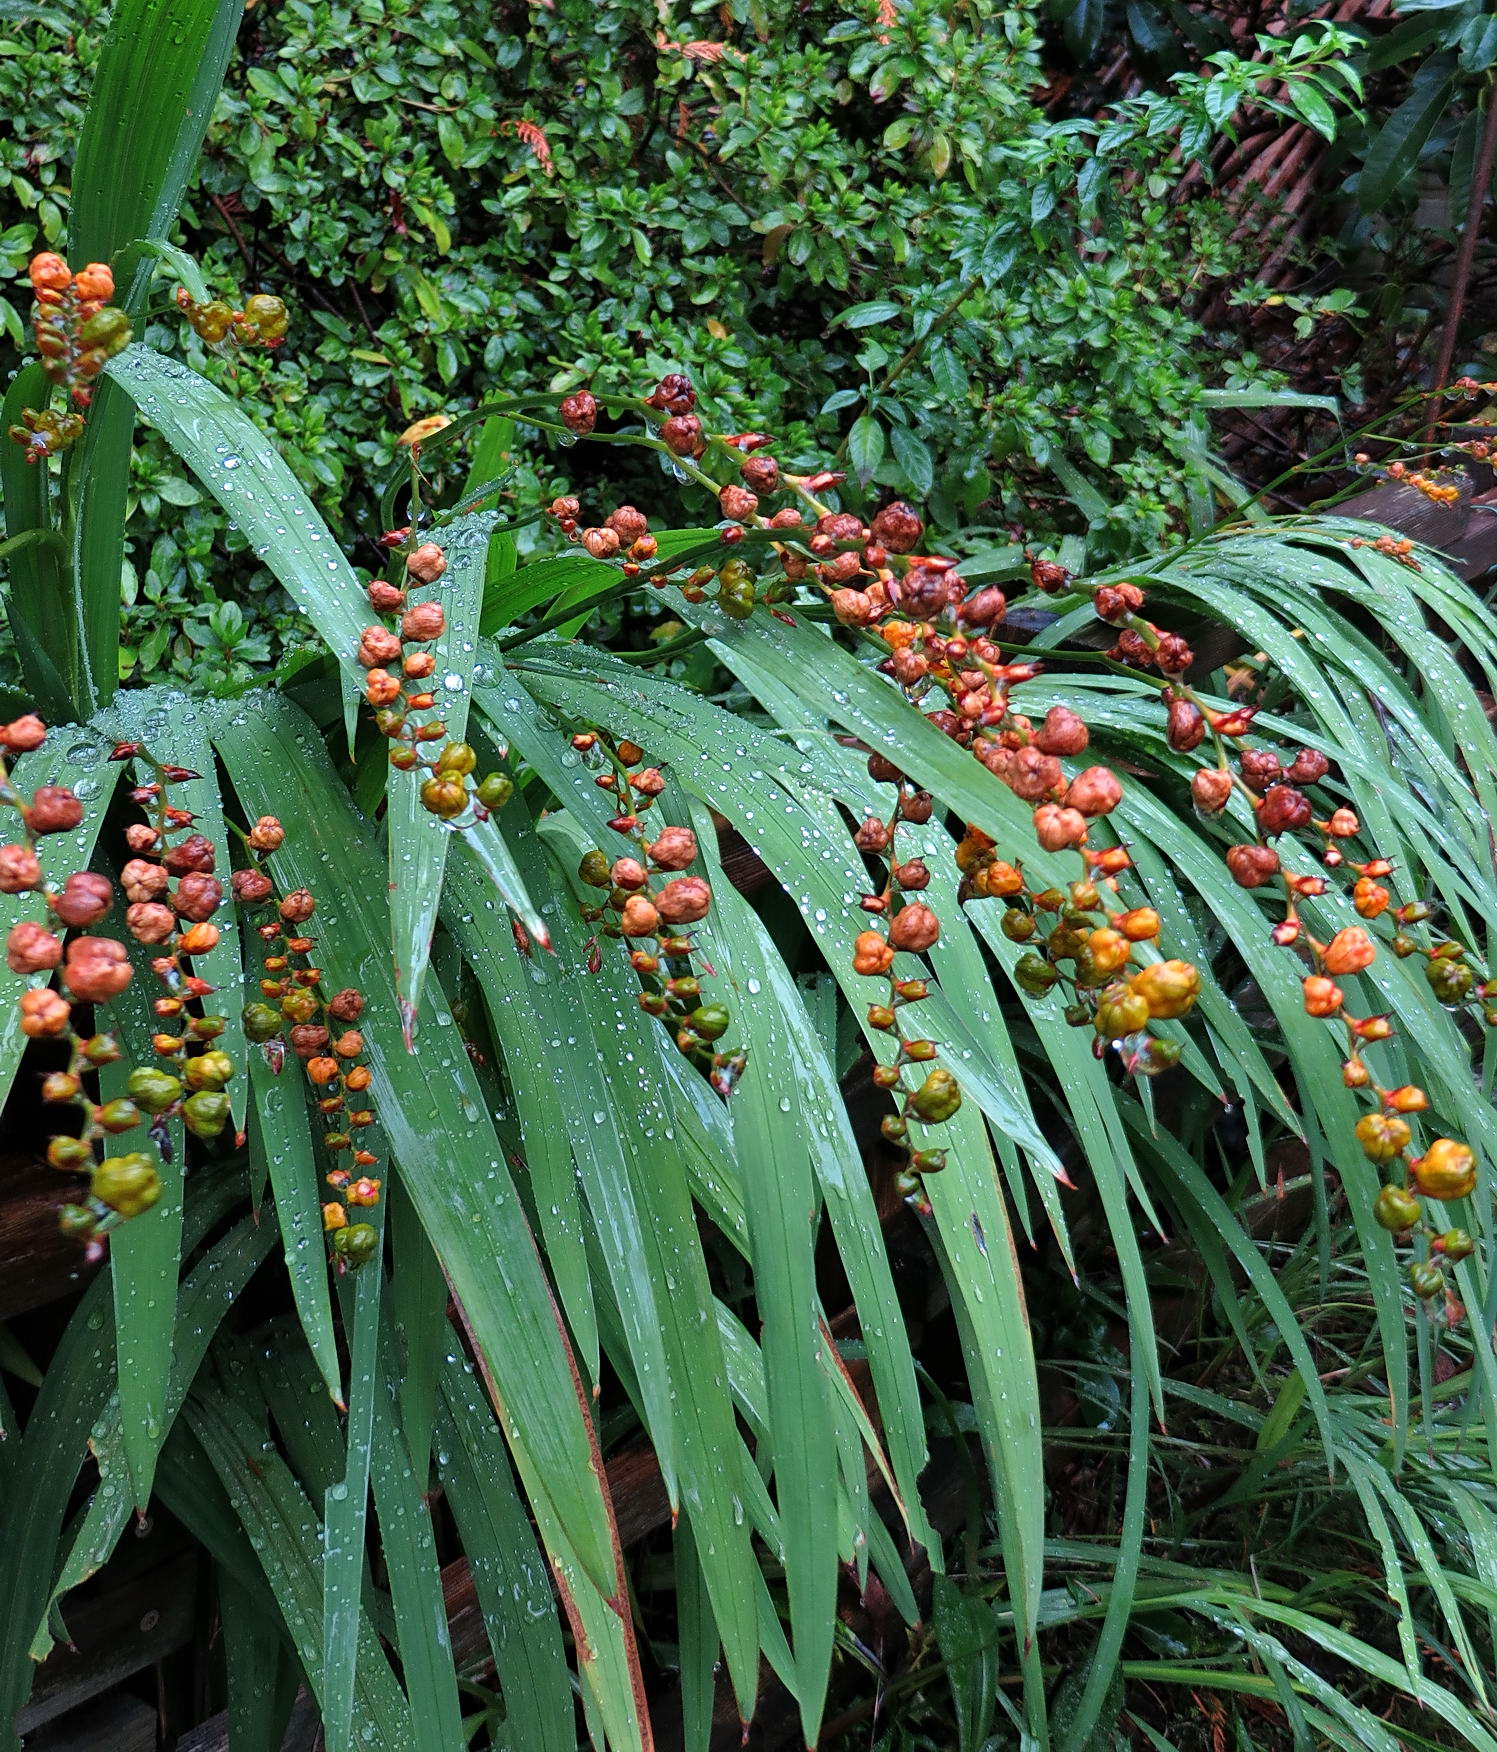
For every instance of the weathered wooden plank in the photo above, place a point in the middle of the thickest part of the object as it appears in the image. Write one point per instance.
(114, 1635)
(119, 1723)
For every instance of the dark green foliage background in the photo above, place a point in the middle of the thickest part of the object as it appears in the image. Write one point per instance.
(705, 214)
(834, 233)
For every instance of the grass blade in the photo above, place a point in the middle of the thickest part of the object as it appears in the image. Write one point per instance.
(51, 1451)
(410, 1554)
(46, 635)
(509, 1571)
(346, 1509)
(207, 1294)
(285, 1536)
(262, 1676)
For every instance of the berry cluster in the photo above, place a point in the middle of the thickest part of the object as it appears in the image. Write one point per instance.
(262, 323)
(1279, 793)
(1432, 473)
(650, 896)
(171, 895)
(401, 700)
(942, 651)
(934, 1095)
(77, 332)
(675, 429)
(321, 1031)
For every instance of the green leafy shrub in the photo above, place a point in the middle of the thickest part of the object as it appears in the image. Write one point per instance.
(854, 233)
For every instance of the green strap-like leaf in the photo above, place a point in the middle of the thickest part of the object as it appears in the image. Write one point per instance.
(207, 1295)
(153, 92)
(515, 1594)
(280, 1142)
(410, 1554)
(286, 1538)
(432, 1113)
(38, 600)
(345, 1511)
(239, 465)
(52, 1450)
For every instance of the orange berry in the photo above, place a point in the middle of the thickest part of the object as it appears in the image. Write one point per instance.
(1369, 898)
(1349, 951)
(94, 282)
(871, 954)
(49, 273)
(1323, 997)
(1407, 1099)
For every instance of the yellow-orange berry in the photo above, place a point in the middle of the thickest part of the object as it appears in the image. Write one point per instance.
(1447, 1169)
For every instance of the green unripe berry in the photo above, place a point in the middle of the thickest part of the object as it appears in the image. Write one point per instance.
(212, 320)
(154, 1091)
(299, 1005)
(594, 870)
(1160, 1055)
(70, 1153)
(77, 1222)
(1425, 1280)
(1450, 981)
(1034, 975)
(118, 1116)
(209, 1070)
(267, 314)
(736, 603)
(1121, 1012)
(710, 1021)
(457, 758)
(495, 791)
(127, 1184)
(108, 330)
(356, 1244)
(206, 1113)
(937, 1098)
(1457, 1244)
(261, 1023)
(446, 796)
(1396, 1209)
